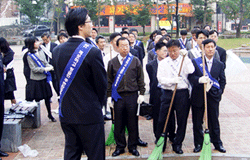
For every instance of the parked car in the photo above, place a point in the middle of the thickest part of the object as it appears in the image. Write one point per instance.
(37, 30)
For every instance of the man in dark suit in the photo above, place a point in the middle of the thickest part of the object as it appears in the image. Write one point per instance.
(132, 51)
(50, 46)
(222, 52)
(137, 42)
(216, 70)
(155, 91)
(80, 108)
(2, 154)
(132, 39)
(125, 79)
(184, 41)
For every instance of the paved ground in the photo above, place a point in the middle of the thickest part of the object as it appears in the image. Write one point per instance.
(48, 140)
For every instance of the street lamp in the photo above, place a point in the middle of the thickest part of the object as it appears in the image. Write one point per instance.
(177, 18)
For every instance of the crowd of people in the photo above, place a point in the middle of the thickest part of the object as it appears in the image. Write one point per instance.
(87, 81)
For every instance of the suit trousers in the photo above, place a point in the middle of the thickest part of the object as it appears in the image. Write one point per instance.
(125, 115)
(213, 122)
(88, 138)
(55, 83)
(181, 106)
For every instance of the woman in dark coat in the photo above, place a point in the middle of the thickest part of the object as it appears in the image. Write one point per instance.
(8, 59)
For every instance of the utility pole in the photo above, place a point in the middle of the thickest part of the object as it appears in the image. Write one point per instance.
(177, 18)
(157, 15)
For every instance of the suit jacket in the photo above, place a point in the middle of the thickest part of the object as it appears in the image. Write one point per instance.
(217, 72)
(151, 68)
(223, 54)
(143, 50)
(188, 45)
(151, 56)
(134, 52)
(140, 52)
(82, 103)
(52, 46)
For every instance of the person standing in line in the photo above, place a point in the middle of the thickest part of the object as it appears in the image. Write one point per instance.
(80, 69)
(62, 37)
(134, 52)
(155, 90)
(185, 44)
(132, 39)
(222, 52)
(167, 75)
(125, 80)
(2, 154)
(9, 76)
(39, 75)
(137, 42)
(215, 74)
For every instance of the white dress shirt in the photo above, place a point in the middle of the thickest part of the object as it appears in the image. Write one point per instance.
(121, 59)
(168, 69)
(108, 57)
(209, 63)
(48, 46)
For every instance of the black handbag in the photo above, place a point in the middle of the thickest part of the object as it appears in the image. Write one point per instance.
(145, 109)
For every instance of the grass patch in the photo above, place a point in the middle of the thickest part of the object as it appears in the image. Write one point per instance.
(233, 43)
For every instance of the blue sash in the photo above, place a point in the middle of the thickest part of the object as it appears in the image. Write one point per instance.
(71, 69)
(154, 51)
(182, 45)
(40, 64)
(213, 81)
(137, 42)
(122, 70)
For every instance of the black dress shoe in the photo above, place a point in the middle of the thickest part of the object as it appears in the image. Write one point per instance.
(141, 143)
(220, 148)
(177, 149)
(3, 154)
(117, 152)
(134, 152)
(106, 118)
(197, 148)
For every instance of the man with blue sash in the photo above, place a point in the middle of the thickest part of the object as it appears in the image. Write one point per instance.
(185, 44)
(216, 81)
(137, 42)
(83, 86)
(152, 54)
(125, 80)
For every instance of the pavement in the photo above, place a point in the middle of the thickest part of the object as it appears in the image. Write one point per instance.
(234, 118)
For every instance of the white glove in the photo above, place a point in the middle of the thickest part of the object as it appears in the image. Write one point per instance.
(183, 52)
(204, 79)
(209, 85)
(176, 80)
(140, 99)
(110, 103)
(50, 68)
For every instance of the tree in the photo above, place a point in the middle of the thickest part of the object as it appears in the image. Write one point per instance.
(33, 9)
(236, 10)
(201, 8)
(140, 13)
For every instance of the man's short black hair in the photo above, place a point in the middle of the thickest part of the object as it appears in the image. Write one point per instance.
(45, 34)
(122, 39)
(202, 31)
(194, 31)
(172, 43)
(62, 35)
(98, 37)
(124, 28)
(183, 32)
(213, 31)
(206, 26)
(113, 35)
(75, 18)
(164, 29)
(124, 32)
(95, 30)
(197, 27)
(131, 33)
(208, 41)
(157, 32)
(133, 29)
(159, 45)
(163, 38)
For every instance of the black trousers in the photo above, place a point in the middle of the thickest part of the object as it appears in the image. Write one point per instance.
(1, 118)
(181, 106)
(125, 115)
(55, 83)
(88, 138)
(213, 122)
(156, 102)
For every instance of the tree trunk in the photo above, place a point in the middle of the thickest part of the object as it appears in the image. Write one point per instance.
(205, 13)
(143, 28)
(238, 34)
